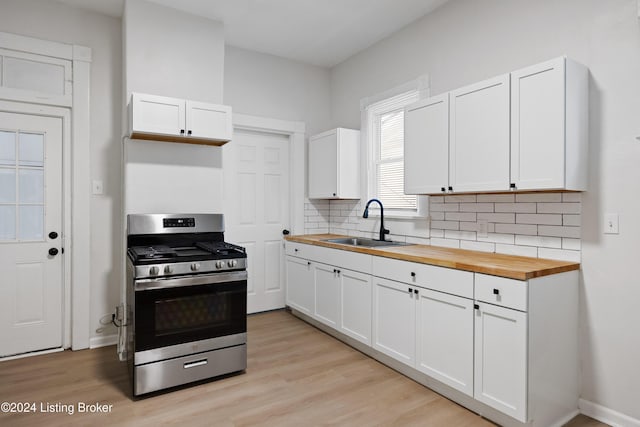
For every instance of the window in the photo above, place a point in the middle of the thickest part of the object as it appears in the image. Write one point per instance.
(385, 136)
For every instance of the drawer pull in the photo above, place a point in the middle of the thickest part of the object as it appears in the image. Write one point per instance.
(413, 274)
(496, 291)
(295, 250)
(415, 291)
(308, 262)
(410, 290)
(195, 363)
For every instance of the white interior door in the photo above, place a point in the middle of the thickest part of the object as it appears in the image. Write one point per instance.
(257, 210)
(30, 209)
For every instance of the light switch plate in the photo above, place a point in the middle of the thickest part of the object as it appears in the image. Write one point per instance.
(611, 223)
(97, 187)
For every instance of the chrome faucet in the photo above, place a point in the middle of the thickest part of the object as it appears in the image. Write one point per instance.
(383, 230)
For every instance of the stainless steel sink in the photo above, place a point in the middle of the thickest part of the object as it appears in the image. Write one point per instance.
(368, 243)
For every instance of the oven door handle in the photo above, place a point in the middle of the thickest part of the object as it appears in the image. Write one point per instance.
(176, 282)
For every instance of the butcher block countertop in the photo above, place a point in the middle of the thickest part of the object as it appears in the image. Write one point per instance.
(511, 266)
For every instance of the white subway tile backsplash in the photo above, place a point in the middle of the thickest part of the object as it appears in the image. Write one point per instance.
(561, 208)
(560, 254)
(476, 207)
(545, 219)
(539, 241)
(559, 231)
(477, 246)
(572, 197)
(574, 220)
(498, 238)
(516, 207)
(460, 216)
(497, 217)
(444, 207)
(459, 235)
(446, 225)
(573, 244)
(530, 251)
(447, 243)
(533, 224)
(496, 198)
(539, 197)
(517, 229)
(463, 198)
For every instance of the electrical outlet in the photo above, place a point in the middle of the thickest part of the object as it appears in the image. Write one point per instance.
(482, 228)
(611, 223)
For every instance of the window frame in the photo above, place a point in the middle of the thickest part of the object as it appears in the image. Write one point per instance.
(371, 109)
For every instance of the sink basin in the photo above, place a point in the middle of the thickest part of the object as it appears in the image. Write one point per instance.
(361, 241)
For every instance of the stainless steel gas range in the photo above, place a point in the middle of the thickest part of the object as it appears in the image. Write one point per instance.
(187, 298)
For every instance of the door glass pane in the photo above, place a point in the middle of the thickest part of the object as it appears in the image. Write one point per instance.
(7, 148)
(31, 149)
(7, 185)
(31, 185)
(7, 222)
(31, 220)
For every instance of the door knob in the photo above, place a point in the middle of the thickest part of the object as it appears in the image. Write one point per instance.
(53, 235)
(53, 251)
(285, 232)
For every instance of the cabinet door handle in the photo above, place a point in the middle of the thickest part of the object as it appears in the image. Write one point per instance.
(443, 189)
(450, 188)
(334, 194)
(308, 262)
(512, 185)
(189, 132)
(182, 131)
(476, 307)
(415, 291)
(413, 274)
(496, 291)
(410, 290)
(295, 250)
(338, 271)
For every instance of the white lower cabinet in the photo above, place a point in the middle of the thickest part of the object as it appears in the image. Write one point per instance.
(355, 318)
(327, 294)
(444, 339)
(300, 293)
(394, 320)
(501, 359)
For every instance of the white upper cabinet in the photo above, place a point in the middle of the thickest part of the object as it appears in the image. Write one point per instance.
(334, 165)
(161, 118)
(527, 130)
(426, 146)
(549, 126)
(479, 136)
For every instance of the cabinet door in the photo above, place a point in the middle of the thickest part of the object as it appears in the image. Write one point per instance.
(426, 146)
(327, 294)
(300, 284)
(444, 339)
(500, 374)
(208, 121)
(323, 164)
(355, 319)
(394, 320)
(479, 136)
(151, 114)
(538, 126)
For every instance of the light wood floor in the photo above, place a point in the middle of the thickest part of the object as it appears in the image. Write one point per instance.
(296, 376)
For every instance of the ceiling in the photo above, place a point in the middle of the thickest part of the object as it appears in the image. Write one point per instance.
(318, 32)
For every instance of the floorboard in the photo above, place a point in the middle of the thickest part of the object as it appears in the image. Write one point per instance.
(296, 376)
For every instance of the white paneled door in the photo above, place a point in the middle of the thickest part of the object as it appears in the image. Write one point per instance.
(257, 211)
(30, 233)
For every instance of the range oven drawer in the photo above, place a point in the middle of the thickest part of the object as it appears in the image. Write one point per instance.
(183, 370)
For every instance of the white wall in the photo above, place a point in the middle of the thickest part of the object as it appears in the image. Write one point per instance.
(52, 21)
(172, 53)
(466, 41)
(270, 86)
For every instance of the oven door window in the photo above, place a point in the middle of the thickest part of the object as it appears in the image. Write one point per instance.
(191, 313)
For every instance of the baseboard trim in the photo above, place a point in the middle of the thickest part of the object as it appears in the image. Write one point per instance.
(103, 341)
(606, 415)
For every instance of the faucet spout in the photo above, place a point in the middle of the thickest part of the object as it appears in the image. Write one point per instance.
(383, 230)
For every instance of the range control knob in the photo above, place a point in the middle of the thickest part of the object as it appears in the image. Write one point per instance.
(168, 269)
(195, 266)
(232, 263)
(154, 271)
(219, 264)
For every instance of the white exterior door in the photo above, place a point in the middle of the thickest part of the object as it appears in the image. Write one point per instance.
(256, 211)
(30, 209)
